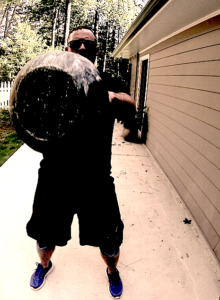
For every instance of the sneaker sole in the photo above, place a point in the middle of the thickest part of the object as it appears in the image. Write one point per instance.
(118, 297)
(52, 268)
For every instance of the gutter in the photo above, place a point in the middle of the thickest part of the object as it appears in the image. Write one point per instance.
(149, 10)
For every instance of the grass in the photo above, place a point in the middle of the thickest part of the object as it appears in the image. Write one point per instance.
(9, 140)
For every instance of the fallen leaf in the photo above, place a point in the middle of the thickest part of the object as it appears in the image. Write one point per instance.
(186, 221)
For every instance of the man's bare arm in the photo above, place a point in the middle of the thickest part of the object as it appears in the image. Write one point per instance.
(123, 106)
(124, 109)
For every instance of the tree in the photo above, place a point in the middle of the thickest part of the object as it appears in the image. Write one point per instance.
(11, 12)
(109, 19)
(67, 22)
(18, 49)
(48, 16)
(112, 18)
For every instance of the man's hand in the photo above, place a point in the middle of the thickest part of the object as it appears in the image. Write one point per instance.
(123, 106)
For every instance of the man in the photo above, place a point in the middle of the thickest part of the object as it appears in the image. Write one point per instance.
(82, 41)
(59, 196)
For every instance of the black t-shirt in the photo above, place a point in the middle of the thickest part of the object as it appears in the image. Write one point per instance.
(86, 149)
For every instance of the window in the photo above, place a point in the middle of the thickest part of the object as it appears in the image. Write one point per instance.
(142, 91)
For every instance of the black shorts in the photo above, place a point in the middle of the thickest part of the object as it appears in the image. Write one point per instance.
(60, 195)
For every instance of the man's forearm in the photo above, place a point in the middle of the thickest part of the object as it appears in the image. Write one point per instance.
(123, 105)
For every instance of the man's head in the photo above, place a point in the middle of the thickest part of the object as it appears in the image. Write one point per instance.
(82, 41)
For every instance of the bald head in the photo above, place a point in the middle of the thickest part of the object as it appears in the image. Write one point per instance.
(83, 42)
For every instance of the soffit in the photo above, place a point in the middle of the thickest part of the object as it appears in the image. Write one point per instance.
(173, 16)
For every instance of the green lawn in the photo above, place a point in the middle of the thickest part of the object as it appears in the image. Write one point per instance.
(9, 140)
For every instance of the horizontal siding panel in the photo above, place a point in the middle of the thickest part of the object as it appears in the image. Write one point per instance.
(184, 120)
(204, 98)
(204, 114)
(206, 54)
(210, 152)
(210, 68)
(203, 202)
(201, 41)
(205, 131)
(196, 211)
(204, 83)
(217, 250)
(204, 173)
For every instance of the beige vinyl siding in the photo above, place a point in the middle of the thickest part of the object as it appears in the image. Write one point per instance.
(184, 124)
(179, 179)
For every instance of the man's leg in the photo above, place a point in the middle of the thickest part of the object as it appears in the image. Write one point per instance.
(111, 261)
(115, 283)
(45, 256)
(44, 268)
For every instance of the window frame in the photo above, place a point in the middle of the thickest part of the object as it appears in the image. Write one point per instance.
(141, 59)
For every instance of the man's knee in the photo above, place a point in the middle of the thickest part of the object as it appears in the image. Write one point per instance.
(110, 251)
(45, 247)
(111, 243)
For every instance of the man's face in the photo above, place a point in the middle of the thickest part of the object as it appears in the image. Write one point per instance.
(88, 49)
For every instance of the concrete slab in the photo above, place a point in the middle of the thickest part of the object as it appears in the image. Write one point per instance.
(161, 257)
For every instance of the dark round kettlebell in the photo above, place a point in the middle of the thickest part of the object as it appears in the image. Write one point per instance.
(53, 96)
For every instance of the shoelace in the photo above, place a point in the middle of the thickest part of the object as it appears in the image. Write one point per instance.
(114, 279)
(40, 271)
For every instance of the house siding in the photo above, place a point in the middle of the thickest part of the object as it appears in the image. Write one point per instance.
(184, 123)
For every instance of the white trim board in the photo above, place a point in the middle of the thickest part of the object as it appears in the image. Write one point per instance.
(182, 30)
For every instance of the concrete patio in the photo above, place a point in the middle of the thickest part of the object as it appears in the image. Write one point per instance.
(162, 258)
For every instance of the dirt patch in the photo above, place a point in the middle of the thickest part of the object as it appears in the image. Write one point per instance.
(5, 130)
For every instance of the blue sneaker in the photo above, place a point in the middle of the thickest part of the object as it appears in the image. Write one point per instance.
(39, 276)
(115, 284)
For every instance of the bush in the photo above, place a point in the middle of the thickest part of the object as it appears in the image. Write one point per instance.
(18, 49)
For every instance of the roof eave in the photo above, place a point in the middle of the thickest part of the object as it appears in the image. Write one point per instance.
(150, 9)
